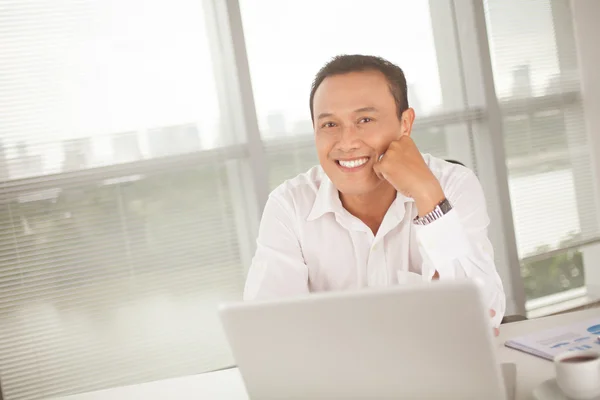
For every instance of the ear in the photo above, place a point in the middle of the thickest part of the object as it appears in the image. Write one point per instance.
(406, 122)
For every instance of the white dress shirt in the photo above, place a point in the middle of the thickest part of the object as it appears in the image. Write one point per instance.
(308, 242)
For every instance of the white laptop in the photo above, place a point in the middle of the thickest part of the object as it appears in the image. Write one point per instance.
(429, 341)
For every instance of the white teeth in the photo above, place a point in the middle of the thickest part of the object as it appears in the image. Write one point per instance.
(353, 163)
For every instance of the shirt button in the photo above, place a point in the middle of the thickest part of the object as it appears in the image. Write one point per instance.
(374, 248)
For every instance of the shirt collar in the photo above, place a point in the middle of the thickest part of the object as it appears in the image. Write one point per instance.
(328, 200)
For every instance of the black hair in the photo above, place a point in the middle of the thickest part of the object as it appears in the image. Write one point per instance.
(344, 64)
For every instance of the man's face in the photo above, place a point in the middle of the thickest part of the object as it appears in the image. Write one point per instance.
(355, 121)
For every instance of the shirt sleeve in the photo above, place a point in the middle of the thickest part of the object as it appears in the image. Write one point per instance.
(278, 268)
(457, 245)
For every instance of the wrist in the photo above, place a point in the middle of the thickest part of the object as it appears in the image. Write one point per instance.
(427, 200)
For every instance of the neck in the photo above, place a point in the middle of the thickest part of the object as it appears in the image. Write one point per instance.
(370, 207)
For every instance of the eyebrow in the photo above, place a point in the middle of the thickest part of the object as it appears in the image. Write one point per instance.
(359, 110)
(365, 109)
(324, 115)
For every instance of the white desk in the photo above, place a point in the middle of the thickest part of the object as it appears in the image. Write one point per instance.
(227, 384)
(531, 371)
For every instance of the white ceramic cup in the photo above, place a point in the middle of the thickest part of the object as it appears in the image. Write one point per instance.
(578, 373)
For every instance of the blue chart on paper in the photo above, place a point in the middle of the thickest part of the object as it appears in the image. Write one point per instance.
(583, 347)
(594, 329)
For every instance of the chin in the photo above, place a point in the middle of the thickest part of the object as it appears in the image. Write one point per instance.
(356, 188)
(352, 184)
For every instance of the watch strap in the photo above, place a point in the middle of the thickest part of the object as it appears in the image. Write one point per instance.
(441, 209)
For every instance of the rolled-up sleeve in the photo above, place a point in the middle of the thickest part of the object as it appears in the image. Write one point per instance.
(457, 245)
(278, 268)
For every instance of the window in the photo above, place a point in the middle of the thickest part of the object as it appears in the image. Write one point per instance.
(117, 226)
(131, 167)
(547, 152)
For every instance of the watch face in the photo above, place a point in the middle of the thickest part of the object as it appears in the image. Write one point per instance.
(445, 206)
(439, 211)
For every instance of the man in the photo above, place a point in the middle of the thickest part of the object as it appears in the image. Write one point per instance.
(376, 212)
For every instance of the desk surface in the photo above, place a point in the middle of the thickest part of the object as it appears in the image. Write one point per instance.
(228, 385)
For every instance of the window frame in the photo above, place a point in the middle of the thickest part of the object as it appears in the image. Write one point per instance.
(246, 162)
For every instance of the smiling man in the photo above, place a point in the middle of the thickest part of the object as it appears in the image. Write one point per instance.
(376, 212)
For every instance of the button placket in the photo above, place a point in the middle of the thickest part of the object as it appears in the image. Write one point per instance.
(376, 266)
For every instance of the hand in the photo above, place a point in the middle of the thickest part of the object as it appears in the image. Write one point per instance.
(404, 168)
(496, 330)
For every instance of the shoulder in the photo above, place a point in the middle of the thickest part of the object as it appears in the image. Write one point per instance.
(447, 172)
(454, 178)
(298, 194)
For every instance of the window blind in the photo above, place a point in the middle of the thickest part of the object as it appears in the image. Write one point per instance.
(117, 232)
(547, 154)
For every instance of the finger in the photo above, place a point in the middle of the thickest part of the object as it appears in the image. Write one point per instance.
(496, 332)
(378, 170)
(492, 313)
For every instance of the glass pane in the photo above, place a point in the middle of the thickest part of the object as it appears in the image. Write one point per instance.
(116, 281)
(92, 83)
(112, 267)
(286, 160)
(531, 56)
(288, 42)
(433, 140)
(309, 33)
(547, 151)
(553, 274)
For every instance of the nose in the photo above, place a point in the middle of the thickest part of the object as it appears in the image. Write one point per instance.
(349, 139)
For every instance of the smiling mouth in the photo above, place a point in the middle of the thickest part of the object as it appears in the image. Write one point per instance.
(352, 164)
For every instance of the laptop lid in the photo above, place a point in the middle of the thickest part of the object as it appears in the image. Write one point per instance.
(426, 341)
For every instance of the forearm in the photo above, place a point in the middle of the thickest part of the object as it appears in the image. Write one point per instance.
(448, 253)
(491, 286)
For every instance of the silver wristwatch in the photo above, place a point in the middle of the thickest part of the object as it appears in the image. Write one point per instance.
(438, 212)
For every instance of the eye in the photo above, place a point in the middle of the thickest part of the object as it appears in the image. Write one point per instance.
(365, 120)
(328, 125)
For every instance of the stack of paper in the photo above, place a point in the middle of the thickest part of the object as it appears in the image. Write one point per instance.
(547, 344)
